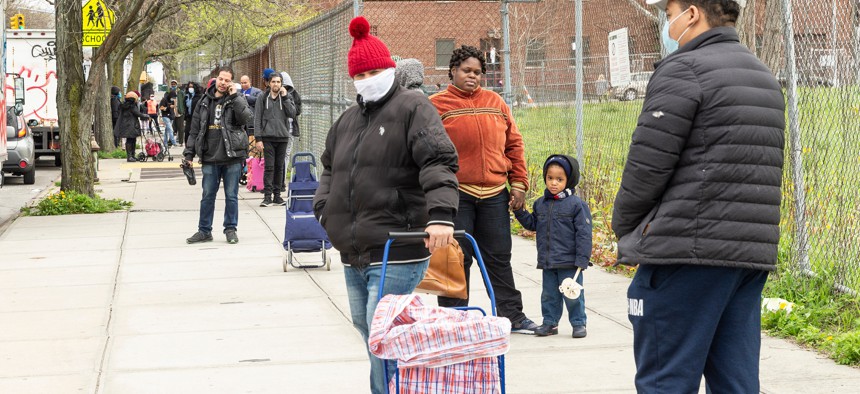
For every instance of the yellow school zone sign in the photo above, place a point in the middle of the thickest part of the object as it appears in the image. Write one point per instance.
(97, 20)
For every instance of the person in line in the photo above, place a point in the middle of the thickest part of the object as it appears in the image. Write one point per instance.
(699, 206)
(295, 133)
(115, 101)
(492, 156)
(273, 122)
(387, 166)
(178, 109)
(410, 74)
(218, 138)
(601, 87)
(166, 107)
(193, 94)
(563, 225)
(251, 94)
(128, 124)
(153, 112)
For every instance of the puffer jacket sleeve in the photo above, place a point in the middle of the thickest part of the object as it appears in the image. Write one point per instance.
(583, 233)
(242, 115)
(670, 107)
(437, 159)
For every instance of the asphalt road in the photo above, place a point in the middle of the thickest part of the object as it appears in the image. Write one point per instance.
(15, 194)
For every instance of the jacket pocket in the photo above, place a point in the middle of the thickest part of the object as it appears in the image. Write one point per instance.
(238, 140)
(630, 244)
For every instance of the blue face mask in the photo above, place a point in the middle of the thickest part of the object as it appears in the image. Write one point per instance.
(669, 43)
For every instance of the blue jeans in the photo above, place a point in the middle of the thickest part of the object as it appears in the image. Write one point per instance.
(168, 131)
(551, 299)
(212, 175)
(362, 286)
(489, 222)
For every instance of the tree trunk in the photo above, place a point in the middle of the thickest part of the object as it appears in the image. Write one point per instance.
(103, 123)
(115, 70)
(138, 62)
(77, 172)
(746, 25)
(773, 43)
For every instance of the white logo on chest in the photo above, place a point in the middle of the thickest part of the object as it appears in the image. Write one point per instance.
(381, 130)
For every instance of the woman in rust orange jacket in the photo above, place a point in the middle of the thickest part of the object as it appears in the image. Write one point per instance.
(490, 149)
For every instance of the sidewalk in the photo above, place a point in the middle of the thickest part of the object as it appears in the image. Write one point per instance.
(119, 303)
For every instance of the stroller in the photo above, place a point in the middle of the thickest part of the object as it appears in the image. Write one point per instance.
(303, 233)
(152, 147)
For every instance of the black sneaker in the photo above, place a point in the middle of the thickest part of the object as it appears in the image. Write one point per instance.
(231, 236)
(579, 332)
(267, 202)
(546, 330)
(525, 326)
(199, 237)
(279, 201)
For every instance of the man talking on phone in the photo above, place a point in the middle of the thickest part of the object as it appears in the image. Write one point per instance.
(217, 137)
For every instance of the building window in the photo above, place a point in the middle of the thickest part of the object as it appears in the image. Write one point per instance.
(444, 50)
(535, 52)
(585, 49)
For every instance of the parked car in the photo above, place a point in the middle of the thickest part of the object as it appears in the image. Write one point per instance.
(636, 88)
(20, 146)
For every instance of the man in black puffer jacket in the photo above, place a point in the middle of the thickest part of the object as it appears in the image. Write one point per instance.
(699, 205)
(218, 137)
(388, 165)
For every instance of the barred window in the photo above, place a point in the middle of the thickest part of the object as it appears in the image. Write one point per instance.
(444, 50)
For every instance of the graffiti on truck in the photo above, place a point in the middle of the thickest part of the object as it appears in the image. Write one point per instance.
(48, 52)
(37, 84)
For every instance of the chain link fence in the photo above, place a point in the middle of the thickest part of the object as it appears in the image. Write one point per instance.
(814, 52)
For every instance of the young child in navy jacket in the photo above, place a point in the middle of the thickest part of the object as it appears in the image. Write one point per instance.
(563, 225)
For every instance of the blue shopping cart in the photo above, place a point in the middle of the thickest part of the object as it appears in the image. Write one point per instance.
(414, 378)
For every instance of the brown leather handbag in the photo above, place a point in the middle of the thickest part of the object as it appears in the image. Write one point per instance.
(445, 275)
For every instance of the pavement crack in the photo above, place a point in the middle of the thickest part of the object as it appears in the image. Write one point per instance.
(108, 338)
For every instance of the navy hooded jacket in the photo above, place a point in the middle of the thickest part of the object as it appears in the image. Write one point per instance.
(563, 226)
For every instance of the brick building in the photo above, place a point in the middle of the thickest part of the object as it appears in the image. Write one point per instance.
(542, 38)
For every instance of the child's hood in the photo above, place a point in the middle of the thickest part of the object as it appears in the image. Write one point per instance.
(570, 165)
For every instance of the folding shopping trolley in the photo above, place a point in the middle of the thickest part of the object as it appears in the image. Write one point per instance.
(478, 375)
(303, 233)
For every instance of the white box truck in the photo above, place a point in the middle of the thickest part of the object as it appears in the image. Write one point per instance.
(31, 54)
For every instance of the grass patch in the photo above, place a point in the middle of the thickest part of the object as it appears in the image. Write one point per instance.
(822, 318)
(69, 203)
(114, 154)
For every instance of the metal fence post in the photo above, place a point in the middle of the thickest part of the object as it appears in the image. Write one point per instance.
(795, 147)
(506, 51)
(578, 54)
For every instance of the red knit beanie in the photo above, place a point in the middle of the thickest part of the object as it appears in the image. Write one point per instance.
(367, 52)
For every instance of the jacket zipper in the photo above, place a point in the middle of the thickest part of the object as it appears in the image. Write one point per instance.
(549, 232)
(351, 181)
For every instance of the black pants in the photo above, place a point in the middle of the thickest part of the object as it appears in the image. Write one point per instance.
(276, 156)
(129, 146)
(179, 127)
(154, 119)
(489, 222)
(690, 321)
(188, 123)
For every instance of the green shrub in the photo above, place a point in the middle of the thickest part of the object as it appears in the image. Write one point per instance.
(63, 203)
(114, 154)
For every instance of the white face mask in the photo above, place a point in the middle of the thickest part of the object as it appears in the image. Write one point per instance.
(375, 87)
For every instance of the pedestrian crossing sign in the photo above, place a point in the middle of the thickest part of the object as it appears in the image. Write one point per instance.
(97, 22)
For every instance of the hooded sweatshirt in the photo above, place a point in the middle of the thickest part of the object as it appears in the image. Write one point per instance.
(273, 117)
(409, 74)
